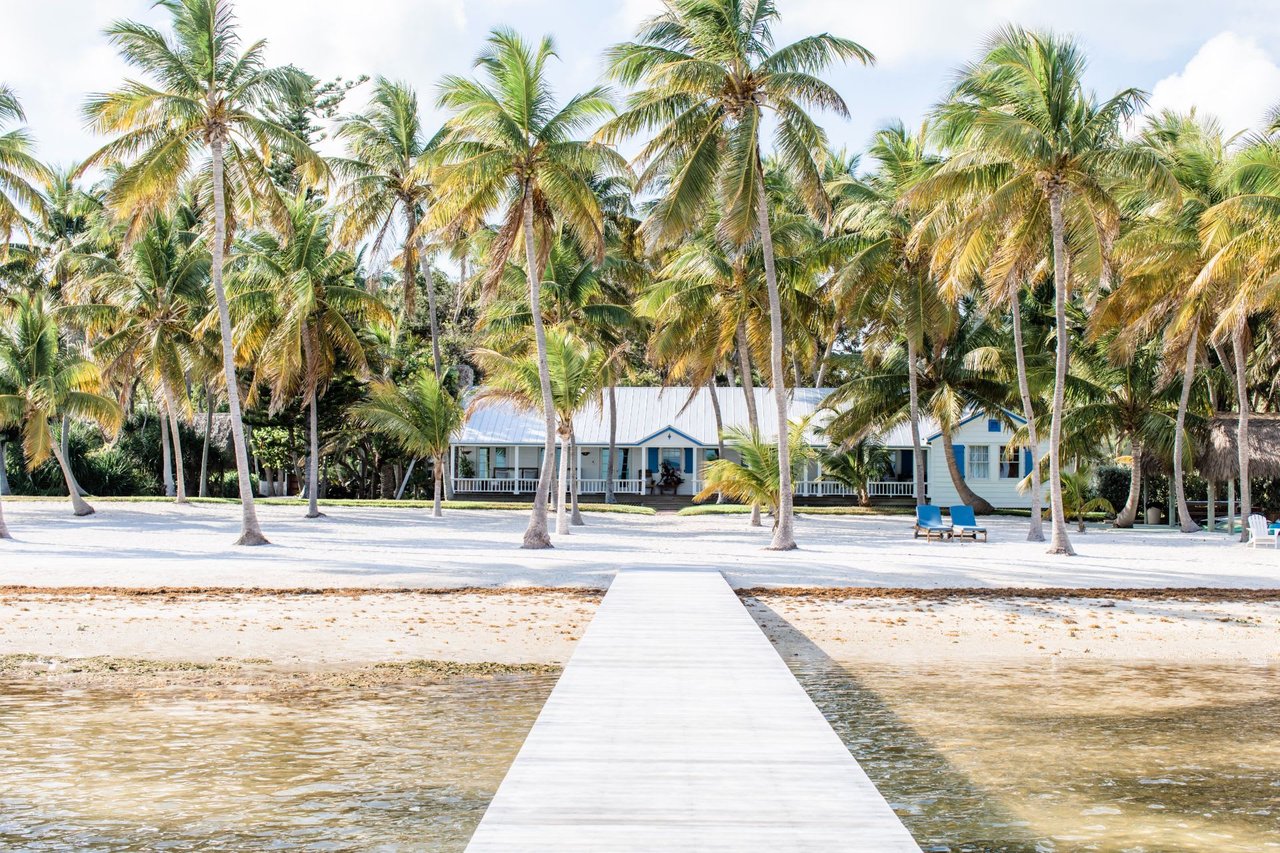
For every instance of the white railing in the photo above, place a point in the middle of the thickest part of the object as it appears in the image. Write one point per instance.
(524, 486)
(823, 489)
(892, 489)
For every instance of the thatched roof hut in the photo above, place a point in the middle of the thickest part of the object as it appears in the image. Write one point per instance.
(221, 433)
(1218, 461)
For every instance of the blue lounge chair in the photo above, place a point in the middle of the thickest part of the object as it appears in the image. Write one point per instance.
(929, 522)
(963, 523)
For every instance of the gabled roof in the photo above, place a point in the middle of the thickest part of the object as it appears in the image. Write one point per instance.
(970, 418)
(642, 414)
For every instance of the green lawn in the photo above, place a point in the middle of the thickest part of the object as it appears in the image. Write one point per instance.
(621, 509)
(739, 509)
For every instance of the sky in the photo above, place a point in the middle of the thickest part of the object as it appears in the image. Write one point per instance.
(1222, 56)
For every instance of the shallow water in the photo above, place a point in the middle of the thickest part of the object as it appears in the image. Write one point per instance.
(398, 768)
(1110, 758)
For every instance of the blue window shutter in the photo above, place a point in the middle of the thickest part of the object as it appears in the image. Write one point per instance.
(908, 463)
(1027, 462)
(688, 460)
(958, 449)
(653, 459)
(993, 425)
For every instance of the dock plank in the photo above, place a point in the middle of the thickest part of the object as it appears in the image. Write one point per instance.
(676, 726)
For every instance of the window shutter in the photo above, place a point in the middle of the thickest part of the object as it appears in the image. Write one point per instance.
(688, 460)
(958, 449)
(653, 459)
(1027, 462)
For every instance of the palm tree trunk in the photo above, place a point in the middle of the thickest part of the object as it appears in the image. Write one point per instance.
(1035, 530)
(609, 496)
(437, 471)
(66, 449)
(78, 504)
(462, 289)
(575, 478)
(204, 450)
(1129, 512)
(409, 271)
(821, 373)
(967, 495)
(535, 535)
(913, 401)
(783, 533)
(715, 408)
(250, 531)
(177, 445)
(4, 531)
(313, 463)
(1185, 523)
(562, 503)
(1242, 425)
(166, 455)
(1059, 542)
(431, 309)
(748, 389)
(4, 474)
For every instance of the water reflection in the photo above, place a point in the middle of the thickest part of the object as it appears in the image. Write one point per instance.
(1110, 758)
(405, 768)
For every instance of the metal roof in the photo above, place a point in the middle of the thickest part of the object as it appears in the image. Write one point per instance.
(642, 414)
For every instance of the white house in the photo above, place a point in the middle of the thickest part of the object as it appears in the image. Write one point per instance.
(500, 448)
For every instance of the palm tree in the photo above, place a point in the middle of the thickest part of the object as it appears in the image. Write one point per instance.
(40, 381)
(1026, 130)
(881, 282)
(756, 478)
(153, 297)
(420, 416)
(389, 177)
(207, 96)
(955, 380)
(708, 73)
(578, 373)
(1242, 239)
(296, 307)
(18, 169)
(1122, 396)
(510, 148)
(1077, 493)
(856, 465)
(1161, 256)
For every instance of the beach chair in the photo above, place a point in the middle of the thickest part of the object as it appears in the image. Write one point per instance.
(1259, 531)
(929, 522)
(964, 524)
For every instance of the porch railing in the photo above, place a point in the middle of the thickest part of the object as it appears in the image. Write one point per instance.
(893, 489)
(524, 486)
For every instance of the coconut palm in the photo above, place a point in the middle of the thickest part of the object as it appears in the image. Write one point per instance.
(207, 96)
(20, 171)
(578, 373)
(420, 416)
(40, 381)
(1161, 255)
(707, 73)
(882, 282)
(756, 478)
(857, 465)
(1241, 234)
(955, 380)
(510, 148)
(1028, 135)
(389, 178)
(153, 297)
(298, 313)
(1077, 494)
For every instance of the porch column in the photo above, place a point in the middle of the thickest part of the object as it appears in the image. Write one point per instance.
(515, 460)
(577, 465)
(453, 465)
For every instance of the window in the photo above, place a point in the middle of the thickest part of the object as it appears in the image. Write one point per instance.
(624, 458)
(979, 462)
(1010, 463)
(993, 425)
(673, 456)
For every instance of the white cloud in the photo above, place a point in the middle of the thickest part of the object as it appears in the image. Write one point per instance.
(1230, 77)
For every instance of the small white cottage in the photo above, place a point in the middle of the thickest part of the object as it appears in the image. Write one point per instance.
(500, 448)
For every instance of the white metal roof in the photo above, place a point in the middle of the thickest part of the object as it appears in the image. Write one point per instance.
(642, 413)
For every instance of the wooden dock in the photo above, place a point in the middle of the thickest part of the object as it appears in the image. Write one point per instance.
(677, 727)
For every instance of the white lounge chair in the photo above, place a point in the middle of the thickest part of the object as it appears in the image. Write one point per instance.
(1258, 531)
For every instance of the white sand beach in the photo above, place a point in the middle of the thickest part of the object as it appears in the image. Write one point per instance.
(148, 545)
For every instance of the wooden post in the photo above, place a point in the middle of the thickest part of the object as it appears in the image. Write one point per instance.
(1231, 507)
(1210, 521)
